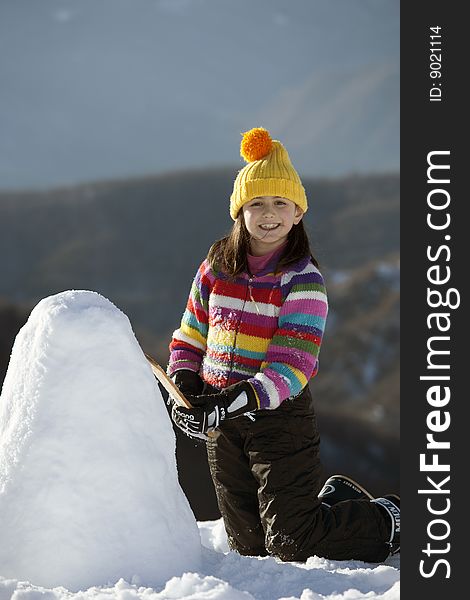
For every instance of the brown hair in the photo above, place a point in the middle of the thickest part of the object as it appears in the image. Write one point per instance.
(229, 254)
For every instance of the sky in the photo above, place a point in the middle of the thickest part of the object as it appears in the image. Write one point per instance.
(117, 88)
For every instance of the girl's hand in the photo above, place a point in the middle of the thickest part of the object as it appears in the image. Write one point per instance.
(193, 424)
(209, 410)
(188, 382)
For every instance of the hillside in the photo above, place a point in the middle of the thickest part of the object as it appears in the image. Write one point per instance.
(119, 238)
(138, 242)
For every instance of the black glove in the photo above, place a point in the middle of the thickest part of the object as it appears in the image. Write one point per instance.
(210, 409)
(188, 382)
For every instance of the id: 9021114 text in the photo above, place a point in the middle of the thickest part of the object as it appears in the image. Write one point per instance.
(435, 64)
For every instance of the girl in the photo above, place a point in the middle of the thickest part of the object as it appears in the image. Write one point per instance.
(246, 349)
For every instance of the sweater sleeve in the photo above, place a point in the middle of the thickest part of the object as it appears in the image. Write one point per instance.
(292, 356)
(188, 344)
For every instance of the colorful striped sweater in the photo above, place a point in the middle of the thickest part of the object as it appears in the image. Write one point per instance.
(266, 329)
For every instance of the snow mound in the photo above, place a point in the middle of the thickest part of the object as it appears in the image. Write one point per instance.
(88, 483)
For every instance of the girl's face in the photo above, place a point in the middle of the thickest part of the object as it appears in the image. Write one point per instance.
(268, 220)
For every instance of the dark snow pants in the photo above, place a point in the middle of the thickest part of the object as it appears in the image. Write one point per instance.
(267, 475)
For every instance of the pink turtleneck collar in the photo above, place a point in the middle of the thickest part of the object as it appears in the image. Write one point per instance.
(256, 264)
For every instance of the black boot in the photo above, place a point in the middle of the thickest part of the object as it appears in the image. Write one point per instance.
(339, 487)
(391, 505)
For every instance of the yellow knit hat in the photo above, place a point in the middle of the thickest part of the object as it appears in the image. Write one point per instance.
(269, 172)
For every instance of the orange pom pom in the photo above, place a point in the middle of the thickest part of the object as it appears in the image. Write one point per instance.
(256, 144)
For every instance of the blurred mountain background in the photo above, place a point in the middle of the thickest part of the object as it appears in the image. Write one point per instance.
(120, 123)
(139, 243)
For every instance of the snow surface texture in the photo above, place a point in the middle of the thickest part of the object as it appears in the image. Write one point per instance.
(89, 491)
(227, 576)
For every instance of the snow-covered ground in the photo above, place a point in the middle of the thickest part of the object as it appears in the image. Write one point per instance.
(227, 576)
(90, 505)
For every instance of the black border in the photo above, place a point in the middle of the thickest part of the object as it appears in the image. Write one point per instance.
(428, 126)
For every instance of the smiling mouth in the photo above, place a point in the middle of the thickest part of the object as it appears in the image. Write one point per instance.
(270, 226)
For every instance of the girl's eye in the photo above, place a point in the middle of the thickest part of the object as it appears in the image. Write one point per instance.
(281, 203)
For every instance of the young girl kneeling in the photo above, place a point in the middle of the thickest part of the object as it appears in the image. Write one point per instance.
(246, 349)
